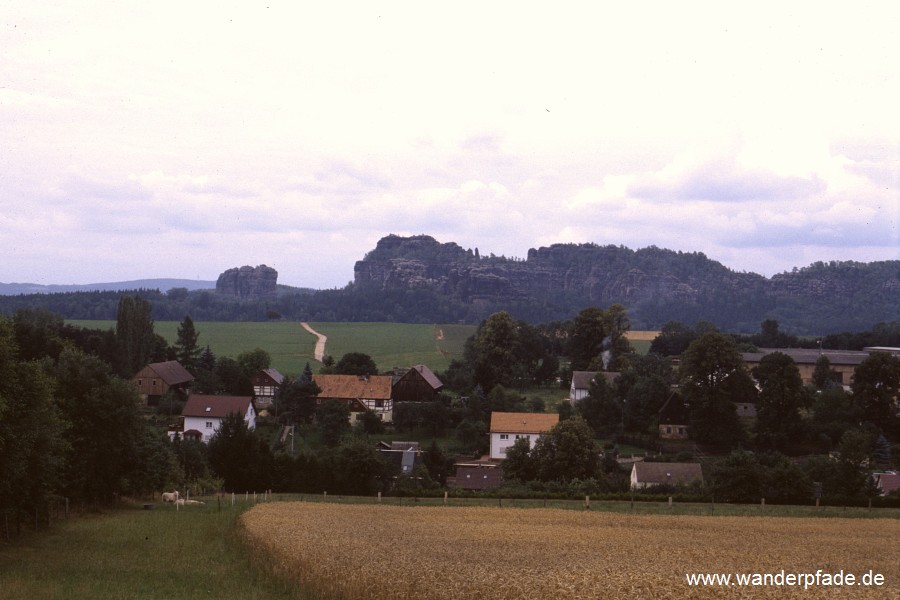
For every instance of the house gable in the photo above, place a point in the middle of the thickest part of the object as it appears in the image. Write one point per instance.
(204, 413)
(506, 428)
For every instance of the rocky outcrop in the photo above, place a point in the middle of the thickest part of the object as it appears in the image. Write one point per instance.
(248, 283)
(654, 284)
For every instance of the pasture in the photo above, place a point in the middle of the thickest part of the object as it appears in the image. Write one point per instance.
(138, 554)
(291, 347)
(412, 552)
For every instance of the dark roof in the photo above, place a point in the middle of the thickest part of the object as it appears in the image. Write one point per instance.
(888, 482)
(657, 473)
(202, 405)
(271, 374)
(809, 356)
(674, 411)
(581, 380)
(429, 376)
(171, 372)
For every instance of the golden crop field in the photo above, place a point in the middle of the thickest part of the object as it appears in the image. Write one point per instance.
(377, 551)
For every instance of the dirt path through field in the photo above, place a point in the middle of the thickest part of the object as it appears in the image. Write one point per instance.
(319, 352)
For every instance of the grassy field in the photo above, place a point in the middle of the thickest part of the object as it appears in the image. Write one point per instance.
(214, 552)
(291, 347)
(138, 554)
(494, 552)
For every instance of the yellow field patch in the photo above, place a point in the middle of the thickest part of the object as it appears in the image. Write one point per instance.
(377, 551)
(641, 336)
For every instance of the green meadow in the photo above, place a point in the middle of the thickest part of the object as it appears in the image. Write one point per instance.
(291, 347)
(195, 552)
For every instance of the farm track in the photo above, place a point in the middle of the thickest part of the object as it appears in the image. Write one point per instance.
(319, 352)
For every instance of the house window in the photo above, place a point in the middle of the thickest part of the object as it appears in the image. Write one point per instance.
(681, 430)
(209, 424)
(668, 430)
(521, 437)
(504, 436)
(379, 403)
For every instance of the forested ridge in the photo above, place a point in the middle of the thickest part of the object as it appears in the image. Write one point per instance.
(420, 280)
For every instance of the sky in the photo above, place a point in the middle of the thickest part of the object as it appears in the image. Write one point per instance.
(181, 139)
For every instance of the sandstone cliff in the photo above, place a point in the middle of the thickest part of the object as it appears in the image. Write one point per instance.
(248, 283)
(655, 285)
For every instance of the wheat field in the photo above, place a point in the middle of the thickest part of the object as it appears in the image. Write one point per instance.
(377, 551)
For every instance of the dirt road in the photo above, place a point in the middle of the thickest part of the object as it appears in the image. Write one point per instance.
(319, 352)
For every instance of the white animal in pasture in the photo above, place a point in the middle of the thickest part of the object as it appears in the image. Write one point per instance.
(170, 496)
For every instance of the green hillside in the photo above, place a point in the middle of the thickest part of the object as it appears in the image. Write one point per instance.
(291, 347)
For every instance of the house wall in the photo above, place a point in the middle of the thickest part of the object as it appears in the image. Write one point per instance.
(500, 442)
(208, 426)
(148, 383)
(412, 387)
(576, 394)
(673, 432)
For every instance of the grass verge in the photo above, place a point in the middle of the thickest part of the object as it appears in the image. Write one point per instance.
(195, 552)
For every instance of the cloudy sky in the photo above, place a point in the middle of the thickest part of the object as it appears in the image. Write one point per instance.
(180, 139)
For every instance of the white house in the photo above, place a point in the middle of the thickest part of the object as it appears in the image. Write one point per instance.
(646, 474)
(581, 382)
(506, 428)
(203, 414)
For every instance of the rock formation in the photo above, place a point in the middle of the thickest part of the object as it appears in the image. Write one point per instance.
(248, 283)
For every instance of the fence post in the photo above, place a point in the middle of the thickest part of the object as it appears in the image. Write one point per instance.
(445, 499)
(762, 503)
(587, 502)
(670, 502)
(379, 497)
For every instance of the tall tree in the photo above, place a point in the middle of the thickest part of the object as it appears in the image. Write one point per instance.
(643, 388)
(106, 430)
(239, 456)
(780, 399)
(494, 351)
(600, 409)
(356, 363)
(875, 387)
(187, 351)
(566, 452)
(333, 420)
(823, 374)
(597, 339)
(713, 377)
(134, 335)
(32, 444)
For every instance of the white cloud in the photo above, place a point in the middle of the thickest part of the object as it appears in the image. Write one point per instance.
(297, 135)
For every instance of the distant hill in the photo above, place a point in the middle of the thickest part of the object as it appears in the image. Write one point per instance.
(655, 285)
(420, 280)
(163, 285)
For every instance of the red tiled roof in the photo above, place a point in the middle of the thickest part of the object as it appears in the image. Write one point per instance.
(504, 422)
(201, 405)
(371, 387)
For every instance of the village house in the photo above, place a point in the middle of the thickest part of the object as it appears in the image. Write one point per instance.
(359, 393)
(647, 474)
(405, 456)
(203, 414)
(416, 384)
(265, 385)
(156, 379)
(841, 362)
(674, 418)
(581, 383)
(476, 475)
(508, 427)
